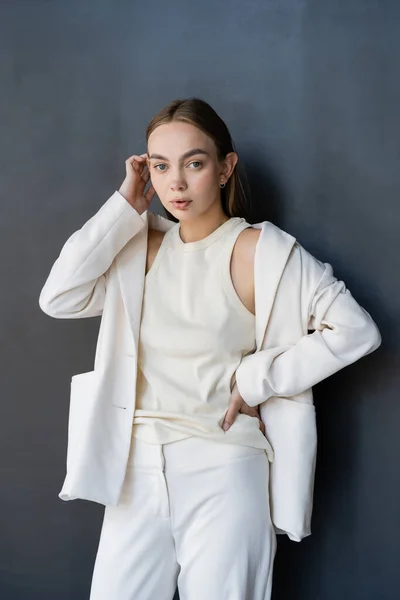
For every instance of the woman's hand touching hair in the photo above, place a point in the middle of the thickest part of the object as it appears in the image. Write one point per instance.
(132, 188)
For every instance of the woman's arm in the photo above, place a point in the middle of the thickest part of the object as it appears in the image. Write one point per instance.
(343, 333)
(76, 285)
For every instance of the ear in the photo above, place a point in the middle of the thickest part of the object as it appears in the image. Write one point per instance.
(229, 164)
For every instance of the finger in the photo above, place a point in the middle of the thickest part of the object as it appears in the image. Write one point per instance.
(149, 195)
(145, 175)
(136, 163)
(139, 157)
(230, 416)
(249, 410)
(145, 161)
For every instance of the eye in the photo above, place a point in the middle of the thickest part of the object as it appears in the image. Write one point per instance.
(194, 162)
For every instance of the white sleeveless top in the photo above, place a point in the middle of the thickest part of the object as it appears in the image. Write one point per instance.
(194, 332)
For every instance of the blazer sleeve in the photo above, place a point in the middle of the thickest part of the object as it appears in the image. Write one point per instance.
(76, 285)
(343, 332)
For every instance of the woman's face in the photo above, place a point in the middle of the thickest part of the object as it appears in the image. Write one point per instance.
(183, 164)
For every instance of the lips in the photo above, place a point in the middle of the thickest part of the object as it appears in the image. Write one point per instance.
(180, 203)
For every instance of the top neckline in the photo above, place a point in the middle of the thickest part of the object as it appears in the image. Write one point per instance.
(206, 241)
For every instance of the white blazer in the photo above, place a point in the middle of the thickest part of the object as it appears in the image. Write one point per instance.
(100, 272)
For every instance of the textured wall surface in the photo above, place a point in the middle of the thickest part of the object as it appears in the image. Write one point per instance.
(310, 91)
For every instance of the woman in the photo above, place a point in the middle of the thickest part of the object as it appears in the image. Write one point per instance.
(204, 319)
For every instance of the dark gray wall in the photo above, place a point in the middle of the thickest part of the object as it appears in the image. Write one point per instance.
(310, 91)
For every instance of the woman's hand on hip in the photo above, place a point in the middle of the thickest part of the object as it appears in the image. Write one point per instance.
(237, 405)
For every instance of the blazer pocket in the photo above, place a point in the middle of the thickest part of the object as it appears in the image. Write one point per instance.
(81, 409)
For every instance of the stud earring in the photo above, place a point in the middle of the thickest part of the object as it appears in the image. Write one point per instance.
(222, 185)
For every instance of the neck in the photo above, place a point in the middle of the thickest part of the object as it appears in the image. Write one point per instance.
(200, 227)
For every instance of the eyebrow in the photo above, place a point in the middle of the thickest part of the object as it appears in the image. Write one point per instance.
(185, 155)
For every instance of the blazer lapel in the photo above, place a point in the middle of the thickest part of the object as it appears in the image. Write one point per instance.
(131, 266)
(272, 252)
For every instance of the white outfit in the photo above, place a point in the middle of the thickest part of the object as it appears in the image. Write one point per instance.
(308, 326)
(192, 513)
(188, 503)
(194, 332)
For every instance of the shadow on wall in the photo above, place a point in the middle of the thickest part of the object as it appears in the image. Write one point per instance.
(264, 188)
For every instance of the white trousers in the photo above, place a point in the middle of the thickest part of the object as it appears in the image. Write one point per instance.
(194, 514)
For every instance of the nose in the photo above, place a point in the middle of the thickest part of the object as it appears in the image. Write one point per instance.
(178, 184)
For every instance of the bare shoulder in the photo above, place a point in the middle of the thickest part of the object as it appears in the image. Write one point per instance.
(245, 246)
(242, 266)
